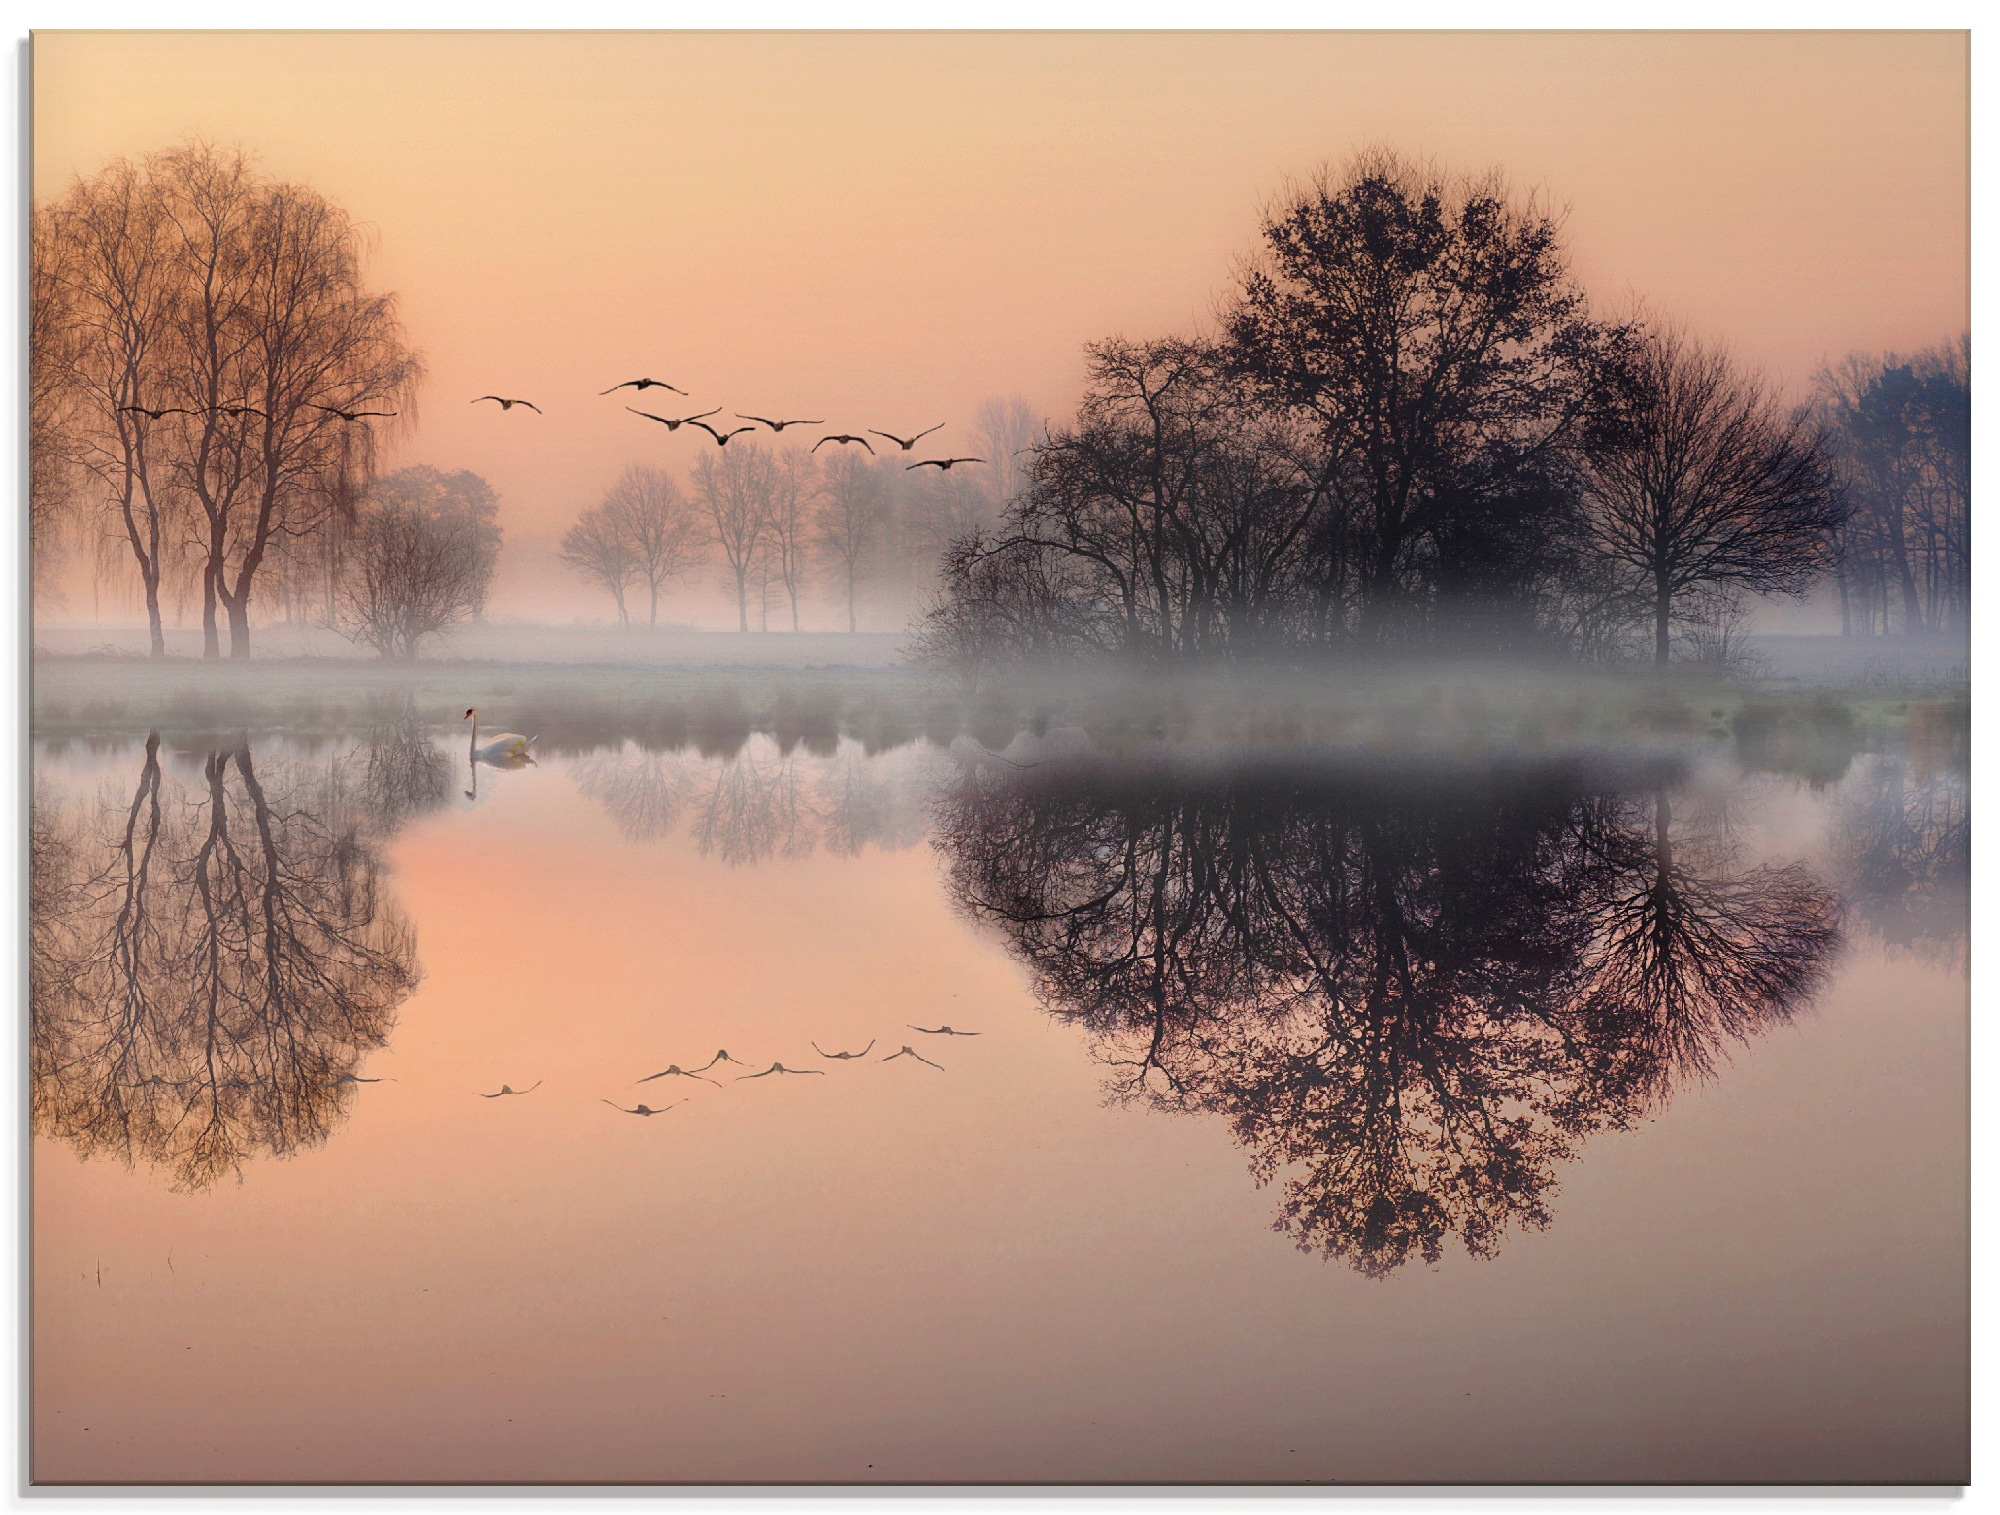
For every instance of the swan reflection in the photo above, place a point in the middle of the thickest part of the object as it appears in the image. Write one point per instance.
(1411, 1000)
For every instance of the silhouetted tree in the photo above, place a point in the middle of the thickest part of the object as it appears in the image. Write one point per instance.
(788, 527)
(1425, 333)
(1700, 481)
(602, 551)
(646, 508)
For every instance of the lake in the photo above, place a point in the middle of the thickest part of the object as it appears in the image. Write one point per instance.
(1142, 1114)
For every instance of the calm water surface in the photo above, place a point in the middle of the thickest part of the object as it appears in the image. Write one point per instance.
(1324, 1121)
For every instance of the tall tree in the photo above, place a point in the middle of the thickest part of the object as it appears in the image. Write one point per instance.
(1700, 480)
(664, 541)
(279, 347)
(599, 548)
(1426, 334)
(850, 519)
(735, 490)
(103, 299)
(788, 528)
(419, 559)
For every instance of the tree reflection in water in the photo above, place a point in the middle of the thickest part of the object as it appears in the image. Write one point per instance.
(209, 957)
(1902, 839)
(1411, 1000)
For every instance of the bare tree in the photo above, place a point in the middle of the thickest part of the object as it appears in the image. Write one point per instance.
(102, 308)
(1699, 480)
(662, 537)
(598, 547)
(735, 490)
(1008, 432)
(788, 529)
(284, 366)
(850, 518)
(418, 563)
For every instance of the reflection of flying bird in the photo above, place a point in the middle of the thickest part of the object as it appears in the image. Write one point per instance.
(721, 437)
(154, 415)
(905, 445)
(642, 384)
(507, 404)
(359, 415)
(349, 1078)
(776, 425)
(721, 1057)
(643, 1109)
(670, 423)
(781, 1068)
(943, 465)
(675, 1070)
(942, 1030)
(507, 747)
(504, 1089)
(913, 1052)
(843, 1056)
(843, 438)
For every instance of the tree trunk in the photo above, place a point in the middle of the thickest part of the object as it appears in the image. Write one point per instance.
(850, 601)
(211, 639)
(742, 600)
(1663, 608)
(153, 626)
(653, 602)
(239, 627)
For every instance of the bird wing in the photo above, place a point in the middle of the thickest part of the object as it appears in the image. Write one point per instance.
(707, 428)
(648, 414)
(489, 397)
(922, 434)
(867, 1049)
(906, 446)
(531, 405)
(765, 419)
(927, 1031)
(927, 463)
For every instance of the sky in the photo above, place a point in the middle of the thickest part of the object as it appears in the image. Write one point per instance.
(881, 229)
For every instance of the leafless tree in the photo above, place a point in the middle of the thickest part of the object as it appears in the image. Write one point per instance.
(850, 519)
(788, 530)
(278, 345)
(1700, 480)
(663, 539)
(418, 562)
(599, 548)
(1008, 432)
(102, 312)
(735, 490)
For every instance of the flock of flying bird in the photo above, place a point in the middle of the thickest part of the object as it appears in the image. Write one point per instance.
(700, 420)
(672, 423)
(675, 1070)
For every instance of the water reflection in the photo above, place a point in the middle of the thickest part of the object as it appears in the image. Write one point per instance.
(1902, 838)
(765, 798)
(1411, 1000)
(211, 958)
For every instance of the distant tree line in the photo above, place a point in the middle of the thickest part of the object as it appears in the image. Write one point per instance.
(777, 525)
(1899, 430)
(1410, 432)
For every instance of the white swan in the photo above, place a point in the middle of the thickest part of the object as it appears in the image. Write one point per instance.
(507, 750)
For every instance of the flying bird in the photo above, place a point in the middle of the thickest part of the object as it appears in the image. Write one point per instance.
(844, 1056)
(237, 410)
(349, 1078)
(942, 1031)
(506, 404)
(675, 1070)
(668, 422)
(912, 442)
(642, 384)
(943, 465)
(721, 1057)
(781, 1068)
(358, 415)
(643, 1109)
(154, 415)
(721, 437)
(862, 440)
(913, 1052)
(504, 1089)
(777, 425)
